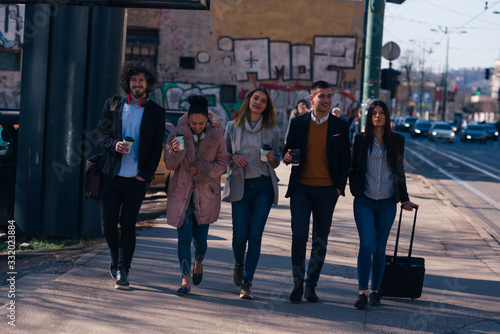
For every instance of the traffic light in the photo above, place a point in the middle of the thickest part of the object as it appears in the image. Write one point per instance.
(487, 73)
(384, 82)
(394, 77)
(389, 78)
(478, 91)
(456, 88)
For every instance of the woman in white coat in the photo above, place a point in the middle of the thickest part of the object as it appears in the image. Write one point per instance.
(252, 141)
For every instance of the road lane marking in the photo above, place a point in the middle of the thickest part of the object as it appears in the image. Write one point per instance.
(457, 179)
(463, 162)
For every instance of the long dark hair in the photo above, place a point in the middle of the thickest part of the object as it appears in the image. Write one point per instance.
(269, 118)
(391, 149)
(135, 67)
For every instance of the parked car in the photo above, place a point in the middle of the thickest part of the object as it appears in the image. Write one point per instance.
(9, 125)
(420, 128)
(473, 132)
(407, 122)
(441, 131)
(491, 130)
(162, 173)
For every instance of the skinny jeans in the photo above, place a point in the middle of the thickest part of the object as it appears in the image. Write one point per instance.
(374, 219)
(189, 231)
(249, 219)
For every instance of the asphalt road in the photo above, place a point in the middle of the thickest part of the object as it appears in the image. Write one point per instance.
(468, 174)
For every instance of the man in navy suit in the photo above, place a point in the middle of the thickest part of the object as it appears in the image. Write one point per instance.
(315, 184)
(127, 169)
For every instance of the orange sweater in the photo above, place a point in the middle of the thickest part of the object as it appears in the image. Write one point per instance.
(316, 172)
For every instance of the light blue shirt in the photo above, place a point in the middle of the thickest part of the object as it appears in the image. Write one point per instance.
(131, 127)
(378, 174)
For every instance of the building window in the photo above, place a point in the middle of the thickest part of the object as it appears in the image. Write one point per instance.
(228, 94)
(10, 60)
(142, 44)
(187, 63)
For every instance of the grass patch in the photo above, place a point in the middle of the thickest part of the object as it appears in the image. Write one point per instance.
(47, 243)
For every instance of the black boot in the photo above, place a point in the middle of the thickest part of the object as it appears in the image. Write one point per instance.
(113, 264)
(296, 295)
(122, 280)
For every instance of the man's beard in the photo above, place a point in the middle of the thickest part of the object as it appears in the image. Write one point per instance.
(138, 94)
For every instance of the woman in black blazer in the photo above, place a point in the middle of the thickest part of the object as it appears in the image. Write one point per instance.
(377, 181)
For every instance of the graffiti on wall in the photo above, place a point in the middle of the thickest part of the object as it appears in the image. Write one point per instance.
(11, 38)
(174, 96)
(11, 25)
(272, 60)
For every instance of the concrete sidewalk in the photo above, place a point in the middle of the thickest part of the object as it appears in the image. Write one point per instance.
(461, 290)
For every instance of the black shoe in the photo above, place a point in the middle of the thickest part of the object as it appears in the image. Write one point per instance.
(113, 264)
(361, 302)
(375, 299)
(183, 291)
(310, 294)
(239, 271)
(296, 295)
(246, 291)
(197, 277)
(122, 280)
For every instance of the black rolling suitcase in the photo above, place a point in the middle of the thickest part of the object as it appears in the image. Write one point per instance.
(403, 275)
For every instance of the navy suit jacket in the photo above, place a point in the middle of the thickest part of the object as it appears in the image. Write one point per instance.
(152, 132)
(337, 148)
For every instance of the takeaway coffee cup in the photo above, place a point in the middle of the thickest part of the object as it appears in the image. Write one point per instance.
(129, 141)
(264, 151)
(180, 139)
(295, 153)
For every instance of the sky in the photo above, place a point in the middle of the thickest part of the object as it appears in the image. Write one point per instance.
(473, 31)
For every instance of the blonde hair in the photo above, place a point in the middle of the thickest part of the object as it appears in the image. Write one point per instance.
(269, 118)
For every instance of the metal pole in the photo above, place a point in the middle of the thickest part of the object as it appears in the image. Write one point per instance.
(421, 100)
(445, 90)
(373, 52)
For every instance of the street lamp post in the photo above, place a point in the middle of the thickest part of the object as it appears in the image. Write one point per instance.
(445, 88)
(424, 50)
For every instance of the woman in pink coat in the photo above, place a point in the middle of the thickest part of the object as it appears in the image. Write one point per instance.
(194, 194)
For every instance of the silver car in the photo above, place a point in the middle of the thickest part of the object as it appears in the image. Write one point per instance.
(441, 131)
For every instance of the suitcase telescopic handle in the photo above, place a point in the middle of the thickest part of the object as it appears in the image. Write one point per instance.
(399, 230)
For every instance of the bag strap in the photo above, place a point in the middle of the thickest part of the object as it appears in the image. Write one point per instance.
(399, 230)
(114, 102)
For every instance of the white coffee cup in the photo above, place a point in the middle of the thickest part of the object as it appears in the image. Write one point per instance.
(265, 149)
(129, 141)
(180, 139)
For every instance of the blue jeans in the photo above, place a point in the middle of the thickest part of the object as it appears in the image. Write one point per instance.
(191, 230)
(320, 201)
(374, 219)
(249, 219)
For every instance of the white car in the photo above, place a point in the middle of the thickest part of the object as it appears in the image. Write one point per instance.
(441, 131)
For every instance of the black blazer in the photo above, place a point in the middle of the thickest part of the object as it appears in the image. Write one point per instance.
(152, 132)
(337, 146)
(357, 171)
